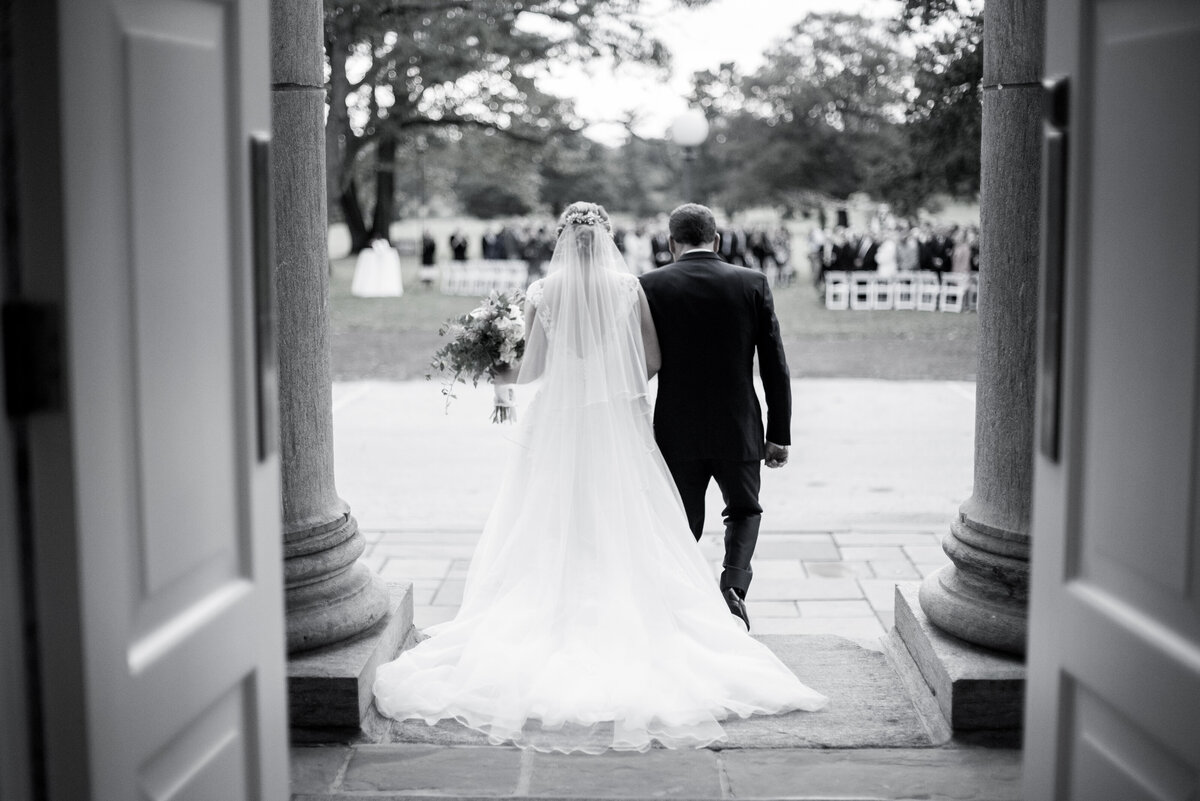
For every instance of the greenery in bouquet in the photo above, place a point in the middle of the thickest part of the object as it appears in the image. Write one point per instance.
(486, 342)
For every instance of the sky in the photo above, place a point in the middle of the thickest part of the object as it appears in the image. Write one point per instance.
(704, 38)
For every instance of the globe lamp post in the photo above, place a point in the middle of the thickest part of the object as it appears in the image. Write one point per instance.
(689, 130)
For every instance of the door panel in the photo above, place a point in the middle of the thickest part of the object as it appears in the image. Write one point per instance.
(1113, 704)
(1113, 757)
(177, 518)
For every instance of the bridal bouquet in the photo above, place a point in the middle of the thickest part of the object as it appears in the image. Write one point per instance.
(488, 341)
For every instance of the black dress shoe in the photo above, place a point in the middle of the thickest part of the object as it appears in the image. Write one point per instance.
(736, 605)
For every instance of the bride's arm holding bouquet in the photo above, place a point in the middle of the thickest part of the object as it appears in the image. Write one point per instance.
(487, 342)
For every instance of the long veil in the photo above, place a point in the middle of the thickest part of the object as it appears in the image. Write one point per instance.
(586, 343)
(590, 620)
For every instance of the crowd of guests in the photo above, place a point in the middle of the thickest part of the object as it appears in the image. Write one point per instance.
(644, 245)
(896, 249)
(888, 249)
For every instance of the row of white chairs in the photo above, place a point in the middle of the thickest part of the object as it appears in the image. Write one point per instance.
(479, 277)
(919, 291)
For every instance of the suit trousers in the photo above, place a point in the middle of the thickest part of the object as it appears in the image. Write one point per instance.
(739, 483)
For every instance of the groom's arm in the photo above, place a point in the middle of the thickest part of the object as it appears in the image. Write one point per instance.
(773, 368)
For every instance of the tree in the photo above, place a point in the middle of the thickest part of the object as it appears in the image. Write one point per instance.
(944, 119)
(821, 115)
(401, 66)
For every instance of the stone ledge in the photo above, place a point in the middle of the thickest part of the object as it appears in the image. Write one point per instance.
(329, 688)
(977, 689)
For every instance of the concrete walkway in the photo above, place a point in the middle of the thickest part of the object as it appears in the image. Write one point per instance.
(878, 470)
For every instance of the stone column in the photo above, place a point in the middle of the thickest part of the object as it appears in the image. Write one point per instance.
(983, 596)
(330, 596)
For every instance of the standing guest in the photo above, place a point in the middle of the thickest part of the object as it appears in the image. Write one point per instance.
(491, 244)
(926, 247)
(843, 250)
(960, 255)
(973, 239)
(660, 249)
(887, 256)
(534, 251)
(428, 271)
(864, 253)
(458, 245)
(818, 241)
(943, 250)
(761, 251)
(908, 255)
(637, 250)
(781, 245)
(510, 243)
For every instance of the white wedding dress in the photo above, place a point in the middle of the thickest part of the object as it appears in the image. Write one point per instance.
(590, 619)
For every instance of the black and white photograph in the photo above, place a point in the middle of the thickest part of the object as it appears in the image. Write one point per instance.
(761, 400)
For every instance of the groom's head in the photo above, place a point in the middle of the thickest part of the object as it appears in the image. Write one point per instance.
(692, 226)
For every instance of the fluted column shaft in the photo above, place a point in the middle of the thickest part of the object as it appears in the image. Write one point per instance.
(330, 596)
(982, 597)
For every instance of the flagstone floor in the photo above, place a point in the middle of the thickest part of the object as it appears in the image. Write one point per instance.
(828, 582)
(878, 470)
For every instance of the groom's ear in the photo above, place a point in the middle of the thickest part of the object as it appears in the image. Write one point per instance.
(717, 242)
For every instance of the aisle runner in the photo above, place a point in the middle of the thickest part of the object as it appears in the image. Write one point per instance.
(869, 707)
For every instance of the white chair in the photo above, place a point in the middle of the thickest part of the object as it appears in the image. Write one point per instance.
(862, 288)
(883, 293)
(904, 292)
(973, 293)
(478, 279)
(837, 291)
(954, 291)
(929, 290)
(452, 277)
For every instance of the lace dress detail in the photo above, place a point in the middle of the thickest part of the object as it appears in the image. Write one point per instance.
(536, 294)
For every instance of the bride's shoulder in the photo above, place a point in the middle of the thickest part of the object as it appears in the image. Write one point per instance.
(533, 293)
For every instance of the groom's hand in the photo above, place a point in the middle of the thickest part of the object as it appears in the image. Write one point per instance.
(777, 455)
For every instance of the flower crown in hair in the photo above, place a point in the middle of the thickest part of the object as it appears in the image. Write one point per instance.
(586, 217)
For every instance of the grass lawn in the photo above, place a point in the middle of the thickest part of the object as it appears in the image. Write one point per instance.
(394, 338)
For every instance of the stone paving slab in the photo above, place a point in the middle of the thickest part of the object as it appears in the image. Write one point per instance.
(655, 774)
(944, 774)
(415, 768)
(414, 772)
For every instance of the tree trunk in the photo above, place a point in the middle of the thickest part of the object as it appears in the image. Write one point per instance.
(385, 185)
(352, 213)
(341, 189)
(337, 127)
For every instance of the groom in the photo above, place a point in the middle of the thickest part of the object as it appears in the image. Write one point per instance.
(711, 317)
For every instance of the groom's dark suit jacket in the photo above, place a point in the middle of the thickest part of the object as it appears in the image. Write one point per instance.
(711, 317)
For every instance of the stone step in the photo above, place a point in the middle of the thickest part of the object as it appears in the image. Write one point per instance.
(878, 739)
(412, 771)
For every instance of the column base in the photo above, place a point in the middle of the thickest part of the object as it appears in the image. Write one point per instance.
(329, 596)
(977, 689)
(329, 688)
(957, 607)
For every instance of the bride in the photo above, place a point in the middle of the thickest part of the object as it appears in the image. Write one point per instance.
(590, 619)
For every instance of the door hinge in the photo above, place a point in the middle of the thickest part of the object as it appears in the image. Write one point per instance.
(33, 358)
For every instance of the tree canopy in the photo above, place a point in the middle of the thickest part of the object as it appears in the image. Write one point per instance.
(438, 67)
(441, 97)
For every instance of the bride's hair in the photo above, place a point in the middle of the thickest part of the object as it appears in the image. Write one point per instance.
(583, 213)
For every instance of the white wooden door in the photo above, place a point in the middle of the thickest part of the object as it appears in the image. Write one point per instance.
(1113, 706)
(160, 588)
